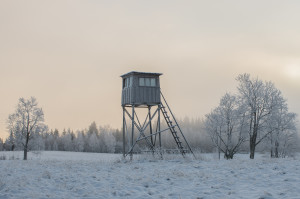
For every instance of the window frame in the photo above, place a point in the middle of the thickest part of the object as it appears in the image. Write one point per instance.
(147, 82)
(141, 80)
(127, 82)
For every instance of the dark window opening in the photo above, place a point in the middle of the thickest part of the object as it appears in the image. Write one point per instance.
(147, 82)
(127, 82)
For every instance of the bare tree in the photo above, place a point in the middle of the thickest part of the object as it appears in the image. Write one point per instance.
(26, 120)
(226, 126)
(282, 124)
(261, 100)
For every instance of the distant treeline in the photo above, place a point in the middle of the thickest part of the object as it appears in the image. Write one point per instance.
(104, 139)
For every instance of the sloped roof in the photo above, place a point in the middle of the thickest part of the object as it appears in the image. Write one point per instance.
(141, 73)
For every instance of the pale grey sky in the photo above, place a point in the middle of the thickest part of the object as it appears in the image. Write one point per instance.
(69, 54)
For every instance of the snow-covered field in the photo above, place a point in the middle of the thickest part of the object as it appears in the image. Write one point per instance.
(92, 175)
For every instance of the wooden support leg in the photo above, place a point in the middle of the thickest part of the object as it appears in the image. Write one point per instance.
(132, 132)
(124, 141)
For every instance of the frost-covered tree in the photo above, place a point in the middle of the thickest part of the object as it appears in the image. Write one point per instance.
(94, 145)
(260, 100)
(48, 140)
(226, 126)
(258, 110)
(79, 141)
(267, 114)
(1, 145)
(282, 125)
(27, 119)
(68, 140)
(55, 136)
(109, 139)
(37, 142)
(93, 129)
(119, 140)
(288, 144)
(10, 142)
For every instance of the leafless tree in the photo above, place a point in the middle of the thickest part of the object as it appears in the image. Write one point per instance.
(261, 100)
(226, 126)
(282, 124)
(26, 120)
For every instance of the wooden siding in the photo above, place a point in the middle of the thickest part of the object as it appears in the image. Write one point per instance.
(146, 95)
(127, 96)
(141, 95)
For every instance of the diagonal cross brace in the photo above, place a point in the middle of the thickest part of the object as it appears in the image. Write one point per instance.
(142, 129)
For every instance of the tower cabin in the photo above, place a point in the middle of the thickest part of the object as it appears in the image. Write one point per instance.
(139, 88)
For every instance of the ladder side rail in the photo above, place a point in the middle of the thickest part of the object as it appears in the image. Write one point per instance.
(173, 131)
(178, 125)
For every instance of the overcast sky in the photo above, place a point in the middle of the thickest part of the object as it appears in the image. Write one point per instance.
(70, 54)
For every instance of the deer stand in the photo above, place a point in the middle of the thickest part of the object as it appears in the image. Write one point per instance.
(142, 90)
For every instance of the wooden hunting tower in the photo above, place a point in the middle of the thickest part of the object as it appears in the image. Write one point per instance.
(142, 90)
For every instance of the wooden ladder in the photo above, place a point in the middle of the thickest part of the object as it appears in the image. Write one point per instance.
(172, 126)
(173, 130)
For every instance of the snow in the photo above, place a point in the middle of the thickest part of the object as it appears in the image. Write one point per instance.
(94, 175)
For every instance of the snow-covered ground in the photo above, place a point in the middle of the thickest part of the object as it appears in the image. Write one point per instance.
(92, 175)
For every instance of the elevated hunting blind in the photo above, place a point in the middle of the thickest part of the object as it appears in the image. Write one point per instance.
(142, 90)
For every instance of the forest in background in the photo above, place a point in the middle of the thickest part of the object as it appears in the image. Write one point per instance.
(104, 139)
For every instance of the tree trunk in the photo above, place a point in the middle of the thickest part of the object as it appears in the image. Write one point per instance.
(228, 155)
(276, 149)
(25, 153)
(272, 152)
(253, 140)
(252, 147)
(26, 146)
(218, 148)
(271, 139)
